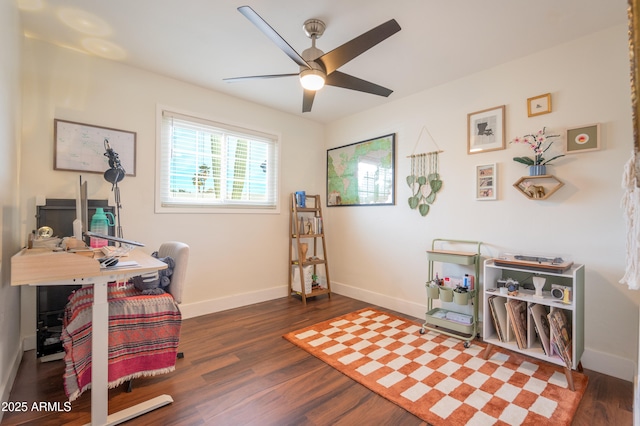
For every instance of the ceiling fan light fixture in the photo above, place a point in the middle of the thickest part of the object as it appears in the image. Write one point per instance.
(312, 79)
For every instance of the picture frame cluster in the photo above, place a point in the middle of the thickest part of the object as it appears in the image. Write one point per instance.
(486, 132)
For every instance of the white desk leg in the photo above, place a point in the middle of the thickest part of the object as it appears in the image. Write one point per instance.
(100, 355)
(100, 368)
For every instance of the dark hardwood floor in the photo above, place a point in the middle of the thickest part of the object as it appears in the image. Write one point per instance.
(238, 370)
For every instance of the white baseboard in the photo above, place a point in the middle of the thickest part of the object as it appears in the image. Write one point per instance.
(601, 362)
(611, 365)
(399, 305)
(7, 385)
(29, 342)
(190, 310)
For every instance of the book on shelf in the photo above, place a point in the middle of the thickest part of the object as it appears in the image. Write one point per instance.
(518, 311)
(499, 315)
(310, 225)
(561, 332)
(510, 324)
(541, 324)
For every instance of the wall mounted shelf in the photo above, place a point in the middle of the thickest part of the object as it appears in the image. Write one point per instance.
(538, 187)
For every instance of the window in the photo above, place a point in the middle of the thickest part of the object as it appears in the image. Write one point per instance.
(206, 166)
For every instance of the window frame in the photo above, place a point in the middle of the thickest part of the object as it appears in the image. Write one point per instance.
(162, 167)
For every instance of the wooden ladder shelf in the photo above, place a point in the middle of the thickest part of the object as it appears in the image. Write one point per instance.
(306, 259)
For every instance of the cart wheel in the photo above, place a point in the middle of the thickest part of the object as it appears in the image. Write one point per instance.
(422, 331)
(467, 344)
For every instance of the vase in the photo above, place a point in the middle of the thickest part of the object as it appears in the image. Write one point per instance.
(538, 283)
(538, 170)
(303, 251)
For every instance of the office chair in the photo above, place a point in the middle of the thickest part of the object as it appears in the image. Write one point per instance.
(179, 252)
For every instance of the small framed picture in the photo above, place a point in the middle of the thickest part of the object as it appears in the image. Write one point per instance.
(485, 130)
(486, 182)
(539, 105)
(583, 139)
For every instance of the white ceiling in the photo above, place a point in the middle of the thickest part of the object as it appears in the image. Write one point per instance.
(204, 41)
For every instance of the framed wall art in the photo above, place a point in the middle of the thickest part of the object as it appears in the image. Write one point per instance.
(485, 130)
(583, 139)
(486, 182)
(362, 173)
(81, 147)
(539, 105)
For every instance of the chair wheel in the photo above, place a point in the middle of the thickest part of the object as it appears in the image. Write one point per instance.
(422, 331)
(467, 344)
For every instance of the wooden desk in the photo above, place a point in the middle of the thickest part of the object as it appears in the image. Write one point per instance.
(45, 267)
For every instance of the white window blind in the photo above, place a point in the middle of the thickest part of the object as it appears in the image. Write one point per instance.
(209, 164)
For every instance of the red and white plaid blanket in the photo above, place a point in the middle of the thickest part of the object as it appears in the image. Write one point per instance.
(144, 331)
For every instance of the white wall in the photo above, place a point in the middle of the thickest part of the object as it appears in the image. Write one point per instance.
(236, 259)
(10, 45)
(375, 253)
(378, 253)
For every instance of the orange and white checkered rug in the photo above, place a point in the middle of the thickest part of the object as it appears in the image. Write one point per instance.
(436, 378)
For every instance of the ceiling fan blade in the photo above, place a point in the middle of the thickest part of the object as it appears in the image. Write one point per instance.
(307, 100)
(346, 81)
(257, 77)
(262, 25)
(351, 49)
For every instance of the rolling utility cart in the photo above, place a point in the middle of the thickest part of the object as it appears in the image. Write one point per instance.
(451, 318)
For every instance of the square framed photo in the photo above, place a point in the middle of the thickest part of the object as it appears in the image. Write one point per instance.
(486, 182)
(485, 130)
(539, 105)
(583, 139)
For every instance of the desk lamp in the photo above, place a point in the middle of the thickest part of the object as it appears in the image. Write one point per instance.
(114, 175)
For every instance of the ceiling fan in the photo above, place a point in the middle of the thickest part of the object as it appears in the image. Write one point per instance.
(318, 68)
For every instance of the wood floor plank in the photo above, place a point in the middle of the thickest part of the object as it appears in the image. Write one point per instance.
(238, 370)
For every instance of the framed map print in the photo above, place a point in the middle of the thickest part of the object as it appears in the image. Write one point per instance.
(362, 173)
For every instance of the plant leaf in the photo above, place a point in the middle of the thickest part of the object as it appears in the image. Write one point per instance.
(548, 161)
(436, 185)
(524, 160)
(423, 209)
(433, 176)
(431, 198)
(410, 180)
(422, 180)
(413, 202)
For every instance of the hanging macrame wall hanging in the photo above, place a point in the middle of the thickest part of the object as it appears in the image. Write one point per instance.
(424, 179)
